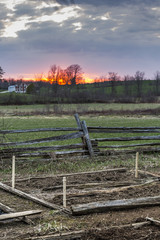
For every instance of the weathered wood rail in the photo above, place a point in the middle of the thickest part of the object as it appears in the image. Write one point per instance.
(124, 138)
(49, 148)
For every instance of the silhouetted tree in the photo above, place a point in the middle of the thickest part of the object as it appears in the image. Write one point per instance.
(127, 85)
(157, 78)
(54, 77)
(1, 72)
(113, 78)
(74, 74)
(139, 76)
(30, 89)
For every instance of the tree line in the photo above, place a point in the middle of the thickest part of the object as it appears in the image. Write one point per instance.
(68, 86)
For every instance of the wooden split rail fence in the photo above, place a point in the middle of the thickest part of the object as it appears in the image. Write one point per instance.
(87, 146)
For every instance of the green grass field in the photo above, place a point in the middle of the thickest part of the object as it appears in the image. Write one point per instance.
(58, 108)
(31, 122)
(78, 164)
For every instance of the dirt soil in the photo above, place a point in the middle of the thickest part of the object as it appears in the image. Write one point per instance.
(84, 188)
(127, 233)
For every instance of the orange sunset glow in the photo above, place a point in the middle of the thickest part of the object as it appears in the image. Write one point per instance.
(60, 81)
(87, 78)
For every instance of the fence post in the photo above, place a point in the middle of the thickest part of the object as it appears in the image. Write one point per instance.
(136, 165)
(87, 139)
(80, 126)
(77, 120)
(13, 171)
(64, 192)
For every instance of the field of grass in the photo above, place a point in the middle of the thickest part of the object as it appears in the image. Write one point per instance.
(31, 122)
(58, 108)
(77, 164)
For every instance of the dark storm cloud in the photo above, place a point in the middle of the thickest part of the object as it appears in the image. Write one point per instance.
(116, 2)
(3, 16)
(67, 2)
(30, 8)
(25, 9)
(32, 12)
(124, 27)
(105, 28)
(3, 12)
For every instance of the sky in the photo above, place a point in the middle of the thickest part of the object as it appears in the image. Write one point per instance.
(102, 36)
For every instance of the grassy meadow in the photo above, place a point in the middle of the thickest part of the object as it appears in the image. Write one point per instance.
(52, 121)
(9, 120)
(37, 109)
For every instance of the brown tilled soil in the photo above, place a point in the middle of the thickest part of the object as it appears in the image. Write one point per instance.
(128, 233)
(84, 188)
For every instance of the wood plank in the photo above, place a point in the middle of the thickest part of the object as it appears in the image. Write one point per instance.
(110, 184)
(131, 145)
(156, 222)
(128, 138)
(103, 206)
(87, 138)
(122, 128)
(45, 154)
(42, 140)
(39, 130)
(19, 214)
(149, 173)
(123, 131)
(93, 172)
(75, 235)
(126, 151)
(106, 191)
(5, 208)
(47, 148)
(122, 170)
(32, 198)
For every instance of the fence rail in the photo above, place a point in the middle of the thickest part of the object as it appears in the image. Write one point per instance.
(38, 130)
(88, 146)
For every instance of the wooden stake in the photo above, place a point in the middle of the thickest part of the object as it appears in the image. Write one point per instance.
(13, 172)
(64, 192)
(136, 165)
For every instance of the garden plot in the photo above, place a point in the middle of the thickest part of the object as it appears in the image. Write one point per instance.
(89, 187)
(85, 188)
(147, 231)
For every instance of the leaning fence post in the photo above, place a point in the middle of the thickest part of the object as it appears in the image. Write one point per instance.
(87, 139)
(77, 120)
(80, 127)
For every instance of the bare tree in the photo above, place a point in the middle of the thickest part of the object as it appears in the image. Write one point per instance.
(157, 78)
(54, 77)
(113, 78)
(1, 72)
(127, 85)
(52, 74)
(139, 76)
(74, 74)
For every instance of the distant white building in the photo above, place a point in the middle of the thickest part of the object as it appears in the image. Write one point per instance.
(18, 88)
(12, 88)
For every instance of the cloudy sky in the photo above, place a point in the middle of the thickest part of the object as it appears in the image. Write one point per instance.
(100, 35)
